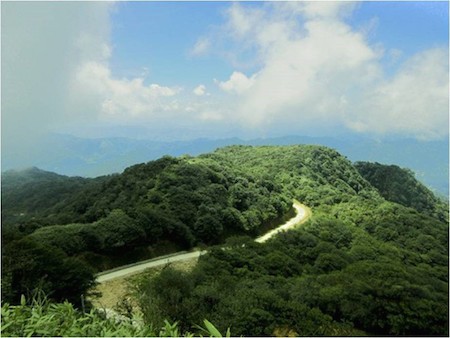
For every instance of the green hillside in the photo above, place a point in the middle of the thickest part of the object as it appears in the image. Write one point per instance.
(399, 185)
(33, 193)
(372, 260)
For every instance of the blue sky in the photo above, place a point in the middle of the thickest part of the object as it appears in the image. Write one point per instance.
(219, 69)
(159, 36)
(162, 36)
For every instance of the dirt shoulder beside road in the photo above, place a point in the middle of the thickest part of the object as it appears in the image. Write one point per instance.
(118, 289)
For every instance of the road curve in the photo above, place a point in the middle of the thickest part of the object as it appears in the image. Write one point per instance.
(303, 213)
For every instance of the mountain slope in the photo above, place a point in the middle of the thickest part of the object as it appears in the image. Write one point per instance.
(33, 192)
(186, 200)
(400, 186)
(361, 264)
(313, 174)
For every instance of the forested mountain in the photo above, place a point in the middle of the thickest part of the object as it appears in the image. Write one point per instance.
(399, 185)
(373, 259)
(33, 192)
(92, 157)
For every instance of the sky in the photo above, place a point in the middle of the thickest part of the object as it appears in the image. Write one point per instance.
(183, 70)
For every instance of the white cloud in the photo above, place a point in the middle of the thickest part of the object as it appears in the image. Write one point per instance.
(304, 75)
(242, 21)
(96, 90)
(414, 102)
(122, 97)
(43, 42)
(256, 28)
(201, 47)
(321, 9)
(317, 70)
(200, 90)
(93, 46)
(238, 83)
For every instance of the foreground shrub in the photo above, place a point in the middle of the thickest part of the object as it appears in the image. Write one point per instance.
(45, 319)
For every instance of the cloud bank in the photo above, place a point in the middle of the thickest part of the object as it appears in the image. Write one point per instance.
(57, 75)
(298, 67)
(316, 69)
(121, 98)
(42, 44)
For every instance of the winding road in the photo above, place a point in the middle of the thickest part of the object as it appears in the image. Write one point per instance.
(303, 213)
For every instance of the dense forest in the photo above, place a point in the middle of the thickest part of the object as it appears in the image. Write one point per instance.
(399, 185)
(372, 260)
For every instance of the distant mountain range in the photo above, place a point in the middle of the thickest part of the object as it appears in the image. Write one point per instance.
(74, 156)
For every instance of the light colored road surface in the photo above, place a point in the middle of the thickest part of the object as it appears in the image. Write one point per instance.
(130, 270)
(303, 214)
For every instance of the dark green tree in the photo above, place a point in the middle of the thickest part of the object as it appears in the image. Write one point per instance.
(28, 266)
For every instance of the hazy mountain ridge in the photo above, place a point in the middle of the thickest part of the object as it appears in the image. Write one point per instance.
(30, 191)
(93, 157)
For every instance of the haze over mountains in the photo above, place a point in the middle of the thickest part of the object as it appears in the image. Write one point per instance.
(91, 157)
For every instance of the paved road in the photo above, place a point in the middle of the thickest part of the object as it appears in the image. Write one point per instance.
(129, 270)
(303, 214)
